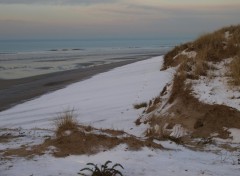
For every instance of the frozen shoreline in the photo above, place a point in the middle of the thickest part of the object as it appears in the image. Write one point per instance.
(106, 100)
(16, 91)
(27, 64)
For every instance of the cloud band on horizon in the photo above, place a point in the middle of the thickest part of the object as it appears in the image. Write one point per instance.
(57, 2)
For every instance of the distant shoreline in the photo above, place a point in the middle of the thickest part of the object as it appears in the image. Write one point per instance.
(16, 91)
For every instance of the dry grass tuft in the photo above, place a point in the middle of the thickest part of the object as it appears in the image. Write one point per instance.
(66, 122)
(212, 45)
(178, 86)
(201, 66)
(235, 70)
(140, 105)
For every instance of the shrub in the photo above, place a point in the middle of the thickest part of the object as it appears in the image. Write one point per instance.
(104, 170)
(66, 122)
(140, 105)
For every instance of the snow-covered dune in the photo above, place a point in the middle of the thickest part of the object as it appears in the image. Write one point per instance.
(105, 100)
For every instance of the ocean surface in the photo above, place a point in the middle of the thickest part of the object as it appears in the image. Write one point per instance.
(24, 58)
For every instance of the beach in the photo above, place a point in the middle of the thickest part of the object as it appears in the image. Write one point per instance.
(103, 103)
(106, 96)
(15, 91)
(119, 88)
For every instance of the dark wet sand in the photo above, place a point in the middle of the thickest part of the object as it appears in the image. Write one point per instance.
(16, 91)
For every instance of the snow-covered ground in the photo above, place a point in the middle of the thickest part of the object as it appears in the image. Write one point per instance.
(216, 89)
(146, 162)
(106, 101)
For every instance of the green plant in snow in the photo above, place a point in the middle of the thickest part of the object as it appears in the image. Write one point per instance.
(104, 170)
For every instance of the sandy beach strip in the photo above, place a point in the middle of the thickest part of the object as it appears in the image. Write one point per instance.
(16, 91)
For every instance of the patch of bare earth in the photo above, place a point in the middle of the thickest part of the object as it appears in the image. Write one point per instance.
(85, 140)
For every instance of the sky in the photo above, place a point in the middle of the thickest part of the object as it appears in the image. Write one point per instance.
(114, 19)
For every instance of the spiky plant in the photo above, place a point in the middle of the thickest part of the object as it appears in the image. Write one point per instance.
(104, 170)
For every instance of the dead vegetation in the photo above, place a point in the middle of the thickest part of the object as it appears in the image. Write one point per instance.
(200, 120)
(140, 105)
(168, 58)
(6, 138)
(7, 135)
(235, 69)
(214, 47)
(66, 123)
(80, 140)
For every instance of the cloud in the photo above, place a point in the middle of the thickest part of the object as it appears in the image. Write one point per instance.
(181, 10)
(57, 2)
(113, 18)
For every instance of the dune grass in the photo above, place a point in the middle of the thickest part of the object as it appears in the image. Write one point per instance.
(213, 47)
(66, 121)
(235, 70)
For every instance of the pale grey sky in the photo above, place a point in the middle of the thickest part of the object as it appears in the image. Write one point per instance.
(59, 19)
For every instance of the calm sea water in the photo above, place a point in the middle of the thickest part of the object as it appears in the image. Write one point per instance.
(24, 58)
(13, 46)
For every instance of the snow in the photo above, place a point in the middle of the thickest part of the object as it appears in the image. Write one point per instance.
(25, 64)
(145, 162)
(24, 137)
(178, 131)
(227, 35)
(106, 101)
(189, 54)
(235, 135)
(216, 89)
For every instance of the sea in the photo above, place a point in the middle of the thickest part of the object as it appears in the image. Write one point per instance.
(25, 58)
